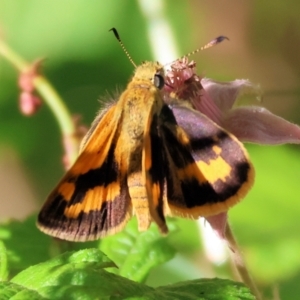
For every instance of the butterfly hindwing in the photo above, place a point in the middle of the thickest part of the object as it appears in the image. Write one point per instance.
(207, 168)
(80, 207)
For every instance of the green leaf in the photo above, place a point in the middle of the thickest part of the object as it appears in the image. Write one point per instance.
(81, 275)
(55, 269)
(12, 291)
(206, 289)
(137, 253)
(77, 274)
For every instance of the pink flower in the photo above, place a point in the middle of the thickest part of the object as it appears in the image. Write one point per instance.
(29, 102)
(219, 101)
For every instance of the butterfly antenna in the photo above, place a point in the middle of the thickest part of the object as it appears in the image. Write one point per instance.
(212, 43)
(114, 30)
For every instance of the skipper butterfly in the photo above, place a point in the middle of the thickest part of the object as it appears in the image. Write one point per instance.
(146, 158)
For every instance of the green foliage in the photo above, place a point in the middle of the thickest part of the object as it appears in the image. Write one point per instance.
(90, 274)
(82, 275)
(137, 253)
(9, 290)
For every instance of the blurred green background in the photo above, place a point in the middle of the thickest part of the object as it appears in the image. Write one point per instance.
(85, 62)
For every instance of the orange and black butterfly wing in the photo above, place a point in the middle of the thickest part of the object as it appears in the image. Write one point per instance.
(207, 168)
(155, 173)
(92, 199)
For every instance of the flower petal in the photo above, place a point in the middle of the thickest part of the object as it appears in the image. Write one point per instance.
(225, 94)
(203, 103)
(218, 223)
(258, 125)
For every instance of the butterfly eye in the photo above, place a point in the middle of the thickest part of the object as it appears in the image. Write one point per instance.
(159, 81)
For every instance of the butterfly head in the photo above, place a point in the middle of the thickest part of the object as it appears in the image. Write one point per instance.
(152, 72)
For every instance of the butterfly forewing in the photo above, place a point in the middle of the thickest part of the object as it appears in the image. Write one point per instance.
(92, 199)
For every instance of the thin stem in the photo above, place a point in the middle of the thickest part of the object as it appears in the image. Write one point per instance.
(56, 104)
(62, 115)
(239, 262)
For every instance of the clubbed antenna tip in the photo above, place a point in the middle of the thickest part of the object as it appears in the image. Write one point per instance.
(218, 40)
(114, 30)
(212, 43)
